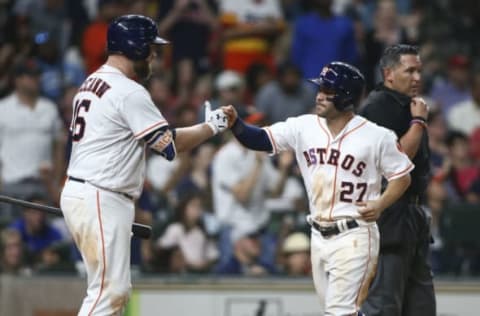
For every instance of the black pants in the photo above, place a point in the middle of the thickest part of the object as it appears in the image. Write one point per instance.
(403, 284)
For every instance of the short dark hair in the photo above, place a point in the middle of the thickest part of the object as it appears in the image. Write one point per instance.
(391, 55)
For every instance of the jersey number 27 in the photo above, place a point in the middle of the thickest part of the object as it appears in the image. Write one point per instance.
(348, 189)
(78, 121)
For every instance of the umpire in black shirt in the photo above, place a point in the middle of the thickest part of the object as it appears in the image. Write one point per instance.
(403, 284)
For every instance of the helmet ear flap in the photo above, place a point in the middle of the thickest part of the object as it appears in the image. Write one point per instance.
(341, 103)
(142, 51)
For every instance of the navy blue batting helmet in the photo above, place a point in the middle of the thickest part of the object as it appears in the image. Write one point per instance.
(344, 80)
(131, 35)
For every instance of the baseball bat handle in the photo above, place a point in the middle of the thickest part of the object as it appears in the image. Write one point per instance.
(138, 230)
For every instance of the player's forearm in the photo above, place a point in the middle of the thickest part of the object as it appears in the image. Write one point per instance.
(394, 191)
(411, 140)
(251, 136)
(188, 138)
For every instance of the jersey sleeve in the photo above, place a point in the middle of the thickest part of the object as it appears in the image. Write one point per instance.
(140, 114)
(394, 163)
(282, 135)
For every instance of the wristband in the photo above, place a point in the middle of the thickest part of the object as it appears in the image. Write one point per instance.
(418, 121)
(424, 120)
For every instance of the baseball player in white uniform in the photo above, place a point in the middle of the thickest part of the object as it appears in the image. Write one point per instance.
(342, 158)
(114, 121)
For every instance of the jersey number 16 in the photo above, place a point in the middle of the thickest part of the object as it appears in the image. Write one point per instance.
(78, 121)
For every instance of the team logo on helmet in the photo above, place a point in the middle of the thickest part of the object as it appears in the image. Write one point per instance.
(324, 71)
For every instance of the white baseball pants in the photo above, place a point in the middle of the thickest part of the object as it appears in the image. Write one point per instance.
(100, 222)
(343, 267)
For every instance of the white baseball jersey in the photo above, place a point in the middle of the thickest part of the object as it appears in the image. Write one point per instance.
(339, 171)
(112, 114)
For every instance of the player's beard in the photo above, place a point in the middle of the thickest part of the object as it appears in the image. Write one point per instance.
(323, 110)
(142, 69)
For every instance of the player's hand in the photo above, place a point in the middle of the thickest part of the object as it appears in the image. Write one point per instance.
(370, 210)
(418, 107)
(231, 113)
(217, 120)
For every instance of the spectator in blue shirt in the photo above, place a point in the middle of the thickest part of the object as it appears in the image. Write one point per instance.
(56, 71)
(320, 36)
(37, 233)
(246, 259)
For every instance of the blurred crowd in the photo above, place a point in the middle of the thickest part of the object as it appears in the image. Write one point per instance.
(221, 209)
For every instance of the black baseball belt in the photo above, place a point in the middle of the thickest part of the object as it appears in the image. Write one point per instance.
(128, 196)
(334, 228)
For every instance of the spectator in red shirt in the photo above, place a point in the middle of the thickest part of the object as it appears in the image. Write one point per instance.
(458, 170)
(95, 36)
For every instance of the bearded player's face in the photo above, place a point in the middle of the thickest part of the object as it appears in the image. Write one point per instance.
(143, 68)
